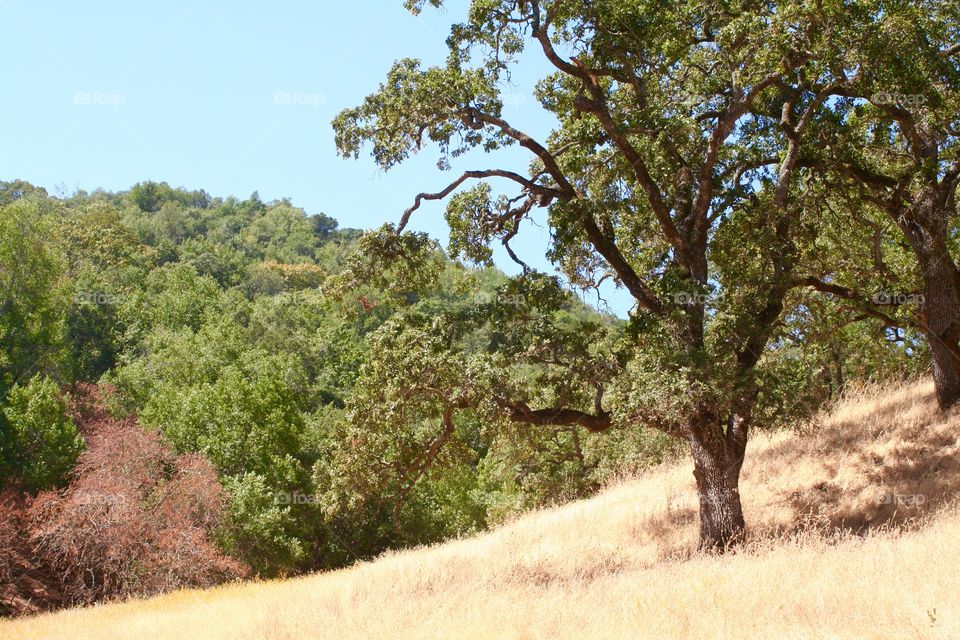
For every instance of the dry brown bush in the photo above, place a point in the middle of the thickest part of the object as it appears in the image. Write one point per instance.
(136, 519)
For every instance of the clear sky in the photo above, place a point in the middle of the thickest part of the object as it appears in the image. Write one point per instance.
(232, 97)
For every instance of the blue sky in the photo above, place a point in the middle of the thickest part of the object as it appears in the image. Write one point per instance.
(232, 97)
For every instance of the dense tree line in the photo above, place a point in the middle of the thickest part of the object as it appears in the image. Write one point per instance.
(224, 329)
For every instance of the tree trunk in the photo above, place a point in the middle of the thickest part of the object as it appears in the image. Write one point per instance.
(717, 459)
(941, 311)
(940, 307)
(946, 370)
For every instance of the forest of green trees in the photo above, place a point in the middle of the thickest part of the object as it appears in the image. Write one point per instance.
(211, 321)
(774, 187)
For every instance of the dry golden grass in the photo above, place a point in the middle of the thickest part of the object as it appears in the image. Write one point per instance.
(841, 546)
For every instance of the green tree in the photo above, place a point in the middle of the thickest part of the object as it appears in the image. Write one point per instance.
(283, 233)
(151, 196)
(262, 527)
(105, 262)
(892, 162)
(17, 189)
(33, 293)
(174, 296)
(39, 443)
(675, 167)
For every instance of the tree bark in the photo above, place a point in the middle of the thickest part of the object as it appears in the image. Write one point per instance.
(718, 457)
(944, 365)
(940, 307)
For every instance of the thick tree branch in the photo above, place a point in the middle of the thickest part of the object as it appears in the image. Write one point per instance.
(548, 159)
(606, 247)
(560, 416)
(597, 106)
(920, 147)
(866, 176)
(864, 303)
(705, 178)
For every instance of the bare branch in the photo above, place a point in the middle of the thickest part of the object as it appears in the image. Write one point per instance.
(487, 173)
(518, 215)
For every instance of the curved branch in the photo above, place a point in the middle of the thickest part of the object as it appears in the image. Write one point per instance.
(597, 106)
(518, 215)
(848, 294)
(487, 173)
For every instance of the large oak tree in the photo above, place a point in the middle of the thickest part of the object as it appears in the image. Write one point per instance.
(675, 166)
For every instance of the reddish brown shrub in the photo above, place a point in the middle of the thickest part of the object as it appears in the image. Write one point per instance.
(136, 519)
(25, 585)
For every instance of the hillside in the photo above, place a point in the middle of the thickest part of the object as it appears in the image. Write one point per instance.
(853, 534)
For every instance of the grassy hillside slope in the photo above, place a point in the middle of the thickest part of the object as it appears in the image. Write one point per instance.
(854, 534)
